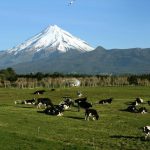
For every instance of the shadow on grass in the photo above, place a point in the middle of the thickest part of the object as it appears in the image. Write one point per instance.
(40, 112)
(130, 103)
(128, 137)
(24, 106)
(123, 110)
(126, 110)
(73, 117)
(71, 110)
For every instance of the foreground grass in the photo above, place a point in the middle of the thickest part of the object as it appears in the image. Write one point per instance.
(23, 128)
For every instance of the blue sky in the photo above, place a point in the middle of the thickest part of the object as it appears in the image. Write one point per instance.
(107, 23)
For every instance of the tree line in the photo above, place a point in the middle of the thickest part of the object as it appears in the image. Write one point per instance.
(9, 78)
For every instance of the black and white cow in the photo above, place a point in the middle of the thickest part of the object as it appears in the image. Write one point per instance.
(66, 104)
(39, 92)
(91, 113)
(82, 102)
(83, 99)
(139, 100)
(44, 102)
(106, 101)
(132, 108)
(84, 105)
(54, 110)
(146, 130)
(142, 110)
(30, 101)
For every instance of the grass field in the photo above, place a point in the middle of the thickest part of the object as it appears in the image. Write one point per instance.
(23, 128)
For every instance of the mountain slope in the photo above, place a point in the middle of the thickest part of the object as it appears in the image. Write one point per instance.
(52, 38)
(94, 62)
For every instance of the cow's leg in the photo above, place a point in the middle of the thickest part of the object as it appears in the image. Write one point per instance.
(45, 106)
(93, 118)
(85, 116)
(146, 136)
(78, 108)
(88, 117)
(39, 105)
(60, 114)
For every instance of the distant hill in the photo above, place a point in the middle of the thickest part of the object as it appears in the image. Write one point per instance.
(115, 61)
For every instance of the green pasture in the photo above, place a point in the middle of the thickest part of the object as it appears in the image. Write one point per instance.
(23, 127)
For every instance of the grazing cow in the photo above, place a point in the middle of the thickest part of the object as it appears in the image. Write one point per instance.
(55, 110)
(84, 105)
(84, 99)
(139, 100)
(30, 101)
(132, 108)
(44, 102)
(39, 92)
(146, 130)
(142, 110)
(106, 101)
(66, 103)
(91, 113)
(148, 102)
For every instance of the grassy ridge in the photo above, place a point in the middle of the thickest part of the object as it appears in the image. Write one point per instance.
(22, 127)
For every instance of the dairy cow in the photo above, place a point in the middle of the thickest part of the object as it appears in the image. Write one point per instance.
(106, 101)
(132, 108)
(146, 130)
(39, 92)
(91, 113)
(54, 110)
(44, 102)
(30, 101)
(66, 104)
(142, 110)
(82, 103)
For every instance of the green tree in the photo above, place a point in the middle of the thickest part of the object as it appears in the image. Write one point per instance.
(8, 74)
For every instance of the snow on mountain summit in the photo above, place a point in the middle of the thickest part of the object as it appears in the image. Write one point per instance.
(52, 38)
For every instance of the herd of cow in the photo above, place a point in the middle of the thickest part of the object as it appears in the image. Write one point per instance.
(133, 106)
(81, 102)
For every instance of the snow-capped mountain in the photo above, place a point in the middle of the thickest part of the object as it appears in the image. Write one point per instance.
(52, 39)
(55, 50)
